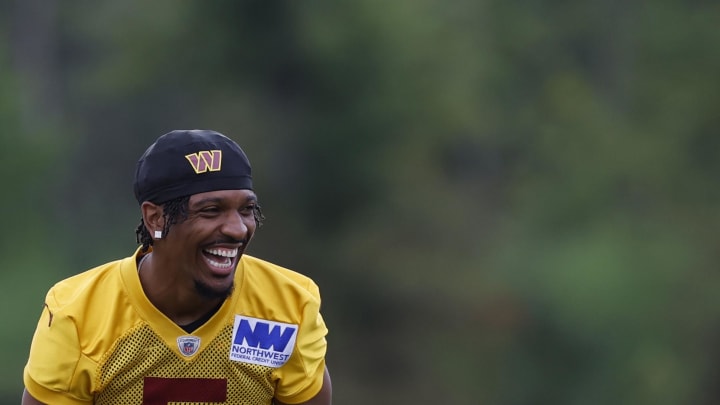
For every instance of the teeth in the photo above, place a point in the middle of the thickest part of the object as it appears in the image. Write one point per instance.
(223, 252)
(218, 264)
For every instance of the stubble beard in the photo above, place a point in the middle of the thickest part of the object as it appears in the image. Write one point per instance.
(211, 293)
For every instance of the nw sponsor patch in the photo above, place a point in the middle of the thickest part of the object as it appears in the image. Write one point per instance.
(188, 345)
(262, 342)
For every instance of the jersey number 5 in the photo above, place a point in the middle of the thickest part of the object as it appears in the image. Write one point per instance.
(161, 391)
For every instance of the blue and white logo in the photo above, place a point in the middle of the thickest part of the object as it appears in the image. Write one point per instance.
(262, 342)
(188, 345)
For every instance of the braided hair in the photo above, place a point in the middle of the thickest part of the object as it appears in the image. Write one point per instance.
(176, 211)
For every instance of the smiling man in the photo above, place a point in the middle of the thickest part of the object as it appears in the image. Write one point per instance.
(189, 317)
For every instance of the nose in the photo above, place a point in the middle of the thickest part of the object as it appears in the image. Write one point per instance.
(234, 227)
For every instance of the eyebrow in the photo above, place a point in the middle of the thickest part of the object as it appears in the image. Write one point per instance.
(218, 200)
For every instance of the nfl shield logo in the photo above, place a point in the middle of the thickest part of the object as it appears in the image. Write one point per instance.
(188, 345)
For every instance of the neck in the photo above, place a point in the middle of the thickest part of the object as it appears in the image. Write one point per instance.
(179, 301)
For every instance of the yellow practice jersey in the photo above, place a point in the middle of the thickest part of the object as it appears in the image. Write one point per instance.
(99, 340)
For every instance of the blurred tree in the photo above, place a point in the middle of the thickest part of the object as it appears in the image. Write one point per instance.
(503, 203)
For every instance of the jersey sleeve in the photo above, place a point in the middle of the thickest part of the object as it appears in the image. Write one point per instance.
(56, 371)
(301, 378)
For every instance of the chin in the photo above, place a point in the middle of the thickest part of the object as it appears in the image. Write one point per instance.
(208, 291)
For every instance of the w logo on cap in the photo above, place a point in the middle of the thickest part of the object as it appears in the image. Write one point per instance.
(205, 160)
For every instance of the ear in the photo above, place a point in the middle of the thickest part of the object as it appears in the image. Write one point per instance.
(152, 217)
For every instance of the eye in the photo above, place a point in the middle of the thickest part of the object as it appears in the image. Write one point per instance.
(249, 209)
(209, 211)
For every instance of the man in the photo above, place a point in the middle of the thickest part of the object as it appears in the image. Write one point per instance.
(188, 317)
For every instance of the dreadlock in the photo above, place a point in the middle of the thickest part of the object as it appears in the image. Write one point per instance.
(176, 211)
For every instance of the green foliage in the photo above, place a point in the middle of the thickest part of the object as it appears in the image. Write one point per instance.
(503, 202)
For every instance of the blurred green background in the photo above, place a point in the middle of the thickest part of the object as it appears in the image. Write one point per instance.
(503, 202)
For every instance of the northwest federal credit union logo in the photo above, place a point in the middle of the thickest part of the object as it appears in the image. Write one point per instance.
(205, 161)
(262, 342)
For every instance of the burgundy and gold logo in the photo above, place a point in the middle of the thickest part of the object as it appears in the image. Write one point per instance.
(205, 160)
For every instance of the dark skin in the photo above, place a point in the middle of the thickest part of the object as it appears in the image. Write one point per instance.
(178, 263)
(181, 279)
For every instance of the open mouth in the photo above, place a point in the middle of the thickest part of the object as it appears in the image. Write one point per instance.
(220, 258)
